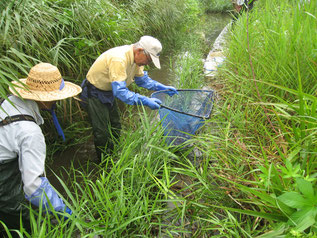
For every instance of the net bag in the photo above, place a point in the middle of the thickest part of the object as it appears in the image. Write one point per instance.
(183, 114)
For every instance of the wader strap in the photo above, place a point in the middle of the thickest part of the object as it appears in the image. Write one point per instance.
(15, 118)
(10, 119)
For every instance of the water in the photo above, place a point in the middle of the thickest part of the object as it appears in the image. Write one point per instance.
(213, 25)
(82, 156)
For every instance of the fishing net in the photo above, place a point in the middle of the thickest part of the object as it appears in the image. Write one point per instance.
(183, 114)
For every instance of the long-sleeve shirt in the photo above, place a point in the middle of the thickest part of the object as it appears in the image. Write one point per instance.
(25, 140)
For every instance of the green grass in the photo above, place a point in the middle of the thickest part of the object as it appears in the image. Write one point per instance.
(255, 173)
(269, 146)
(211, 6)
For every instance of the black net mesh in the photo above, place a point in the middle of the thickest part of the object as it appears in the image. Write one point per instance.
(183, 114)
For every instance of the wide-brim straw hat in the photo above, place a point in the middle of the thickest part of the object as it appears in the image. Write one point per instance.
(44, 83)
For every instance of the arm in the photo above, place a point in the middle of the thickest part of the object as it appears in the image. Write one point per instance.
(32, 153)
(146, 82)
(121, 91)
(119, 87)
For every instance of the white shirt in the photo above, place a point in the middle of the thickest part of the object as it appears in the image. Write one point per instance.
(25, 140)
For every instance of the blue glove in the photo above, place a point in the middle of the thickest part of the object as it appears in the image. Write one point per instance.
(153, 103)
(67, 210)
(44, 193)
(171, 90)
(121, 91)
(148, 83)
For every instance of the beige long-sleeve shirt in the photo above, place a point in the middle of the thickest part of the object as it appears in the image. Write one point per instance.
(116, 64)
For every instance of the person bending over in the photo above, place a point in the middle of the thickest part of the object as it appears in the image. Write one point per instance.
(109, 78)
(23, 148)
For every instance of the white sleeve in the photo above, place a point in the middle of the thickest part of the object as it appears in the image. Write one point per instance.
(32, 153)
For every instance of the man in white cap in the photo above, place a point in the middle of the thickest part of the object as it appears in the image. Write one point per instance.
(23, 148)
(108, 78)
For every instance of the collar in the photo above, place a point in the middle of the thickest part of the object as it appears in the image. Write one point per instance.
(26, 106)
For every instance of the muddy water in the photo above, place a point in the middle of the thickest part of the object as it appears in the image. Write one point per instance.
(82, 156)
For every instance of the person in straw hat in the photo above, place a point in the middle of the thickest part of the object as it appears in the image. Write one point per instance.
(109, 78)
(22, 144)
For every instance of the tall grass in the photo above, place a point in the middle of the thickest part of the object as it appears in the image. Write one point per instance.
(187, 66)
(167, 20)
(216, 5)
(267, 158)
(69, 36)
(278, 40)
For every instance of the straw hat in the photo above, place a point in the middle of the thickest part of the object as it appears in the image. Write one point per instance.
(44, 83)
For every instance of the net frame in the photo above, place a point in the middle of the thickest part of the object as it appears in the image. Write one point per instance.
(187, 90)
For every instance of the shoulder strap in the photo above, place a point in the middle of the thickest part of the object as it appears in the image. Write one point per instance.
(15, 118)
(10, 119)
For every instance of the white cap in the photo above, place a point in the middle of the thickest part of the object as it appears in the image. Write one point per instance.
(153, 46)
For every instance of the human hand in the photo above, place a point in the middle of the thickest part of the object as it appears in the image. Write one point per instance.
(153, 103)
(171, 90)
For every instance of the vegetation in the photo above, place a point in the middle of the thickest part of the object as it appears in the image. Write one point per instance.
(251, 172)
(211, 6)
(271, 73)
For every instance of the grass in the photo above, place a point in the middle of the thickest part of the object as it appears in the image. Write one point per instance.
(251, 172)
(217, 6)
(268, 137)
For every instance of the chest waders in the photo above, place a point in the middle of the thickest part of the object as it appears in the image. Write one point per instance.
(12, 200)
(104, 118)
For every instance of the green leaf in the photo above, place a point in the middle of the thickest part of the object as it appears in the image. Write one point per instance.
(304, 218)
(268, 216)
(293, 199)
(278, 232)
(305, 187)
(293, 153)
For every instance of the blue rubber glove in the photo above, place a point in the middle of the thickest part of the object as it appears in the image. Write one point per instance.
(148, 83)
(67, 210)
(121, 91)
(171, 90)
(44, 193)
(153, 103)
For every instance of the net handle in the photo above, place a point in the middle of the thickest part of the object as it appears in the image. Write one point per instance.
(185, 113)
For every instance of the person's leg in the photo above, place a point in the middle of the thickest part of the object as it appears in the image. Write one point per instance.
(115, 122)
(100, 116)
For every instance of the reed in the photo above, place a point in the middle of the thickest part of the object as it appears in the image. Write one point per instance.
(251, 172)
(268, 147)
